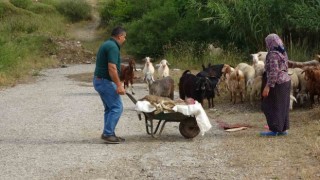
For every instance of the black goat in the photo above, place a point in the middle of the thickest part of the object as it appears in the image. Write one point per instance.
(193, 86)
(213, 73)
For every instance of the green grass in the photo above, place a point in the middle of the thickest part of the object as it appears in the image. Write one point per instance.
(27, 31)
(25, 39)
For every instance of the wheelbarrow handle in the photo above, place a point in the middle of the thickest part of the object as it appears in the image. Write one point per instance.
(132, 98)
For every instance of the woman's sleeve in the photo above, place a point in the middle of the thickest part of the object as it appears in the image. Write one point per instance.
(273, 69)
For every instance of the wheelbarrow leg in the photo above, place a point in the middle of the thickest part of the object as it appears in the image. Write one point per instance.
(150, 128)
(162, 127)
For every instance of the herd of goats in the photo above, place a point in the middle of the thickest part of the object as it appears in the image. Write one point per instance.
(241, 81)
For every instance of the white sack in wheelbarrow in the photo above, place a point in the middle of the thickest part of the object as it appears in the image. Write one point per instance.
(144, 106)
(199, 113)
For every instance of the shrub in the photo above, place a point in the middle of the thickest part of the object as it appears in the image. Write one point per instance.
(21, 3)
(40, 8)
(75, 10)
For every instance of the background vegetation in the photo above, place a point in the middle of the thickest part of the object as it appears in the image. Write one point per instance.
(181, 29)
(27, 29)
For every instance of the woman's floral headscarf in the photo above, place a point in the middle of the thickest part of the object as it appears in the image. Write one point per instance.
(274, 43)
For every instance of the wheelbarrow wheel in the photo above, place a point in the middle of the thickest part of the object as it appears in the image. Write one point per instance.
(189, 128)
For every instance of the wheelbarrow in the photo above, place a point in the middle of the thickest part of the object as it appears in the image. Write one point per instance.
(188, 126)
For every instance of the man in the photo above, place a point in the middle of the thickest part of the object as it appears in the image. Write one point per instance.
(107, 83)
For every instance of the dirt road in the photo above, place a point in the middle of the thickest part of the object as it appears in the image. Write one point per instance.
(50, 130)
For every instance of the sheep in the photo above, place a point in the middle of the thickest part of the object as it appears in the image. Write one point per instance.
(258, 68)
(237, 85)
(162, 87)
(148, 71)
(191, 86)
(259, 56)
(163, 69)
(302, 93)
(294, 86)
(214, 51)
(249, 74)
(127, 74)
(255, 90)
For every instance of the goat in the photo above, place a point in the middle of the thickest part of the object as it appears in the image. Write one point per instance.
(191, 86)
(163, 69)
(226, 76)
(237, 85)
(312, 63)
(312, 76)
(127, 74)
(162, 87)
(148, 71)
(213, 73)
(217, 71)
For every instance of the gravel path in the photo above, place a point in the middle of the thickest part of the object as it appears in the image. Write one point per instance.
(51, 129)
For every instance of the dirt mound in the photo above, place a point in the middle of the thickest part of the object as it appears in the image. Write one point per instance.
(72, 52)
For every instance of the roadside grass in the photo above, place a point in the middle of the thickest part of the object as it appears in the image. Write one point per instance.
(27, 29)
(295, 156)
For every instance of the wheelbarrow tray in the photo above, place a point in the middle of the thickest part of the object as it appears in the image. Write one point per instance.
(188, 126)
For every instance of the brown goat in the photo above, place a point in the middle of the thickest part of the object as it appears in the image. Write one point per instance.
(312, 63)
(127, 74)
(312, 76)
(237, 85)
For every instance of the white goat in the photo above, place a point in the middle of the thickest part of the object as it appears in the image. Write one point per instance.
(163, 69)
(148, 71)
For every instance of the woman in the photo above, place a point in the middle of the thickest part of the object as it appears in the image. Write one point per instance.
(276, 87)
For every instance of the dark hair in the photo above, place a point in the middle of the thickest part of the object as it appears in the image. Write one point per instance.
(117, 31)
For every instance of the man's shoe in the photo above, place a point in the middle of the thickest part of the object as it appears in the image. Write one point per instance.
(121, 139)
(110, 139)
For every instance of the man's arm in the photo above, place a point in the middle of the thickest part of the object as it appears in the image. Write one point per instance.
(112, 68)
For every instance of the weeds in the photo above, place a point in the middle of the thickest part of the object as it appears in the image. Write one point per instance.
(75, 10)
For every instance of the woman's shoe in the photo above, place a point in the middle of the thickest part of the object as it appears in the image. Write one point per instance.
(270, 133)
(282, 133)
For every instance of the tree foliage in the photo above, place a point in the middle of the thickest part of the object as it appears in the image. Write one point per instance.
(153, 25)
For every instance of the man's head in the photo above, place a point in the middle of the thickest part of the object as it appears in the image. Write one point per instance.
(119, 34)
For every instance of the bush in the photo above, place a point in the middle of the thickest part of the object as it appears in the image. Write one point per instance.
(75, 10)
(21, 3)
(40, 8)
